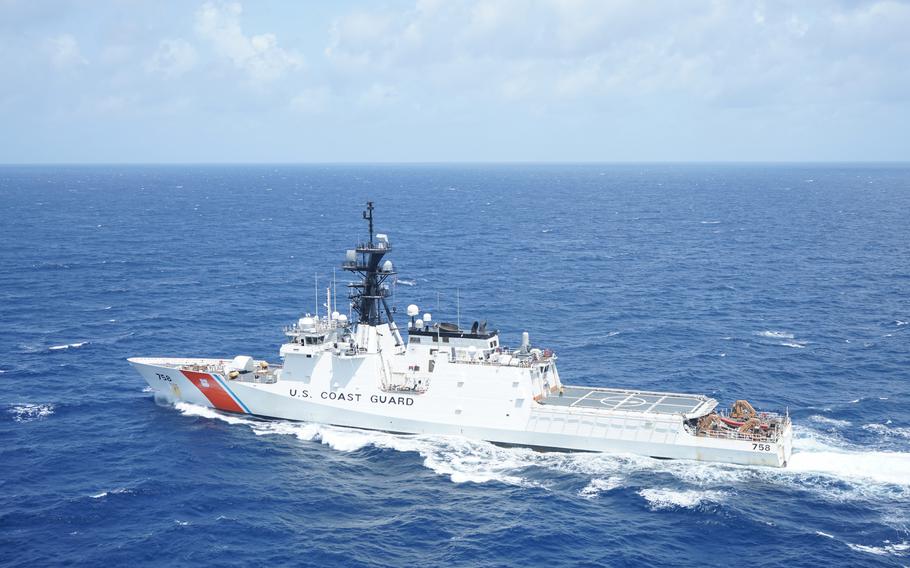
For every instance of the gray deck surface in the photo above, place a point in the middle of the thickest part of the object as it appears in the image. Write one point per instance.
(628, 401)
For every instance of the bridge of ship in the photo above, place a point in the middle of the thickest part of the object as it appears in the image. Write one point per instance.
(689, 405)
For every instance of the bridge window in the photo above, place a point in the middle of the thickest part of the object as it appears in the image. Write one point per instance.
(415, 340)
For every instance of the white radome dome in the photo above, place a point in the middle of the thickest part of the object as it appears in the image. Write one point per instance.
(413, 310)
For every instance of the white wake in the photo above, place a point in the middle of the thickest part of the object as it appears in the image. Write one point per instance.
(817, 459)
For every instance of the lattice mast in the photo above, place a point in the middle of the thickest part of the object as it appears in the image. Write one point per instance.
(368, 297)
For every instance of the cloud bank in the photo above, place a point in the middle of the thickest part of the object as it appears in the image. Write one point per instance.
(474, 80)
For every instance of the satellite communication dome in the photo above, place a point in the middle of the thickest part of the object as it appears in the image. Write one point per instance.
(413, 310)
(351, 256)
(335, 315)
(342, 319)
(418, 323)
(387, 266)
(427, 318)
(306, 323)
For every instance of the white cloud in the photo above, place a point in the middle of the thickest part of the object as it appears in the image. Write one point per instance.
(173, 58)
(728, 53)
(259, 55)
(64, 52)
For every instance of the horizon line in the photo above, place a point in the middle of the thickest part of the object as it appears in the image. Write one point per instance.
(468, 162)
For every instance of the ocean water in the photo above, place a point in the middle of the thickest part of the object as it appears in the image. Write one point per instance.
(788, 285)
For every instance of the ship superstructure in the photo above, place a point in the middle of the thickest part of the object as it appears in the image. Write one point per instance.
(360, 372)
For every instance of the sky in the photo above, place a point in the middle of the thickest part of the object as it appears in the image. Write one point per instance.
(189, 81)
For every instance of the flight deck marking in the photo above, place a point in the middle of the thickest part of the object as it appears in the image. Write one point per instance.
(656, 404)
(614, 400)
(626, 403)
(587, 394)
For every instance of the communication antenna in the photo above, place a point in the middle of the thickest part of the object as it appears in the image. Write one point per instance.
(368, 215)
(334, 292)
(316, 288)
(458, 308)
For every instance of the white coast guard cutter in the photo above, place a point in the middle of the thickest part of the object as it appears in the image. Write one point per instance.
(449, 381)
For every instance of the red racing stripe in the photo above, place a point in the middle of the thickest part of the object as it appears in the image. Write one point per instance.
(219, 397)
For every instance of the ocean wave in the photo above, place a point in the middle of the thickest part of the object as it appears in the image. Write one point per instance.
(598, 486)
(29, 412)
(407, 282)
(661, 498)
(117, 491)
(785, 338)
(771, 334)
(888, 431)
(888, 547)
(829, 421)
(69, 346)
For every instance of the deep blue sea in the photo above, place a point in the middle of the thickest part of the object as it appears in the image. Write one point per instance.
(788, 285)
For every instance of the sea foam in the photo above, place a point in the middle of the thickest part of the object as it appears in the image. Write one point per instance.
(661, 498)
(771, 334)
(887, 547)
(68, 346)
(29, 412)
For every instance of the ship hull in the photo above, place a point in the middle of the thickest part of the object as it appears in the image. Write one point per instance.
(536, 425)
